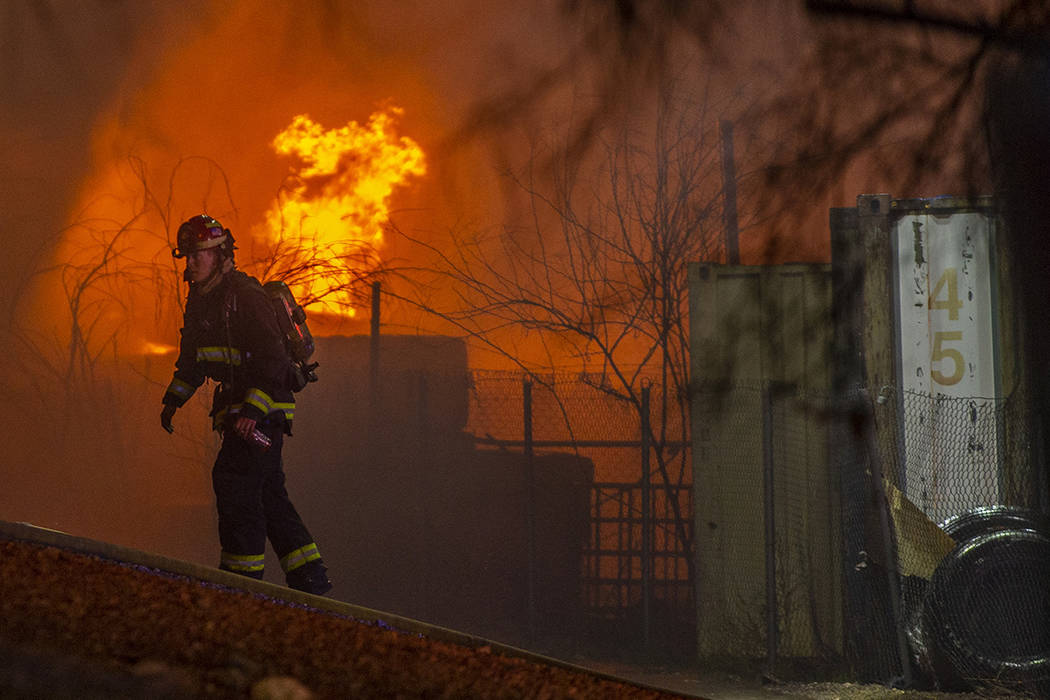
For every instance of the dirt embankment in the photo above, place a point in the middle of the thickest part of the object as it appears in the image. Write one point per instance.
(73, 625)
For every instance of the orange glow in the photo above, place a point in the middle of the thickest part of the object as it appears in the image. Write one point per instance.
(338, 199)
(149, 348)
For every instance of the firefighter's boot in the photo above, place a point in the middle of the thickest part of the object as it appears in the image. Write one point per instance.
(310, 578)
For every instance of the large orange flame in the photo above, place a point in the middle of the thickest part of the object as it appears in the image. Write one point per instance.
(337, 201)
(112, 280)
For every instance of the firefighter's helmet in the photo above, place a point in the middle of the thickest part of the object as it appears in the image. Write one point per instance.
(200, 233)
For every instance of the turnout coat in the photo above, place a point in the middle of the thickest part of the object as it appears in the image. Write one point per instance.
(230, 335)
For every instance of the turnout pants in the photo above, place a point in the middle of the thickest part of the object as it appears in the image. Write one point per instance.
(254, 506)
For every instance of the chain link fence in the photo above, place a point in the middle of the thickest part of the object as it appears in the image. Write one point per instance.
(951, 454)
(971, 548)
(815, 534)
(896, 539)
(768, 528)
(636, 592)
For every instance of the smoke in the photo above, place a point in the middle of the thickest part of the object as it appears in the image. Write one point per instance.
(120, 120)
(61, 64)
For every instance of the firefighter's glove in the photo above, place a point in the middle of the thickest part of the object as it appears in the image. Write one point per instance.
(166, 416)
(244, 427)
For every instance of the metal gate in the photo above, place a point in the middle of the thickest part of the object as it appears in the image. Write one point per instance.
(636, 585)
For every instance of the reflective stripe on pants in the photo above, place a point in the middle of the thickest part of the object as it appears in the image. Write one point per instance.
(253, 504)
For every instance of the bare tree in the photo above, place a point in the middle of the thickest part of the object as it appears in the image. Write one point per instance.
(621, 45)
(333, 274)
(955, 95)
(97, 282)
(918, 95)
(598, 278)
(120, 287)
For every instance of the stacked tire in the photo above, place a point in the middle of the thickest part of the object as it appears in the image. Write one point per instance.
(986, 610)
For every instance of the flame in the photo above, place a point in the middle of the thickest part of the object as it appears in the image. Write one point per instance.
(337, 202)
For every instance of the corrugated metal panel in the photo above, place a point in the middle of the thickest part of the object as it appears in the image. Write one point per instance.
(755, 324)
(751, 326)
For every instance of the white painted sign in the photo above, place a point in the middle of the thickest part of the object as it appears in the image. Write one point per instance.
(948, 363)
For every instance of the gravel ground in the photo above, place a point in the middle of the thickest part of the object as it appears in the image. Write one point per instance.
(78, 626)
(74, 625)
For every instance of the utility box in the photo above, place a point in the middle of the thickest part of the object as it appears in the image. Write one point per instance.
(765, 501)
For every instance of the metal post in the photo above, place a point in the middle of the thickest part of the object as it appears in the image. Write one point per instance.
(373, 440)
(1040, 472)
(769, 510)
(888, 537)
(426, 460)
(729, 195)
(647, 527)
(373, 348)
(530, 508)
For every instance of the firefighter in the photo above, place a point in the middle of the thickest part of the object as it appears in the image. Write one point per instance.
(230, 335)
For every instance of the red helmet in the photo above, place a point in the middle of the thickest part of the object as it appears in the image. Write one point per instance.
(200, 233)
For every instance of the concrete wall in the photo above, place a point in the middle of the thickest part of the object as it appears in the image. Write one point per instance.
(410, 516)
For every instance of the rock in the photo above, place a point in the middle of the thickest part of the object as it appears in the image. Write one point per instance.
(280, 688)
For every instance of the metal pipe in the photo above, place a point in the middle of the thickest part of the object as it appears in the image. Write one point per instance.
(647, 526)
(373, 440)
(769, 510)
(729, 194)
(530, 506)
(888, 537)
